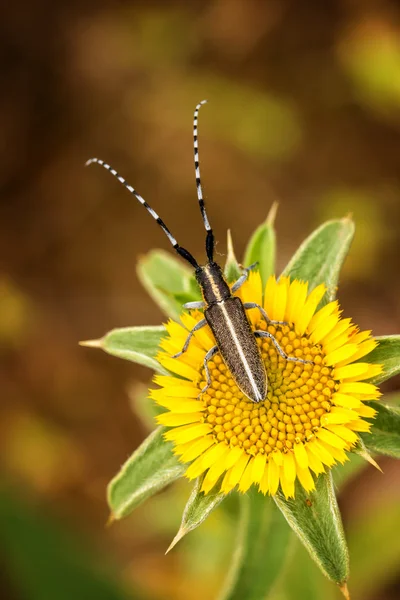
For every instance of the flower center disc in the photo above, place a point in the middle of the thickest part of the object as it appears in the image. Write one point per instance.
(298, 396)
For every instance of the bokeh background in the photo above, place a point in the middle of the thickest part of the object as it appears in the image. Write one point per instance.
(304, 109)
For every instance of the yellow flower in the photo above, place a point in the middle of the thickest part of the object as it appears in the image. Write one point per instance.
(312, 412)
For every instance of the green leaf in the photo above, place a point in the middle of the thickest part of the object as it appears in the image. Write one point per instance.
(232, 270)
(262, 245)
(315, 518)
(151, 467)
(387, 353)
(137, 344)
(260, 550)
(384, 437)
(168, 281)
(320, 257)
(198, 508)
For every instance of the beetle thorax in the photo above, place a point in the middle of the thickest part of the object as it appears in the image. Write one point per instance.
(213, 285)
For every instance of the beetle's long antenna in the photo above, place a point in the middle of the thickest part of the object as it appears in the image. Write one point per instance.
(182, 251)
(210, 235)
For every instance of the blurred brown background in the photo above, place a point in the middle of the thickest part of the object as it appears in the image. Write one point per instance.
(304, 108)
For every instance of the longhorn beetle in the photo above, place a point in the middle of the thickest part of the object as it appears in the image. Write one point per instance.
(223, 312)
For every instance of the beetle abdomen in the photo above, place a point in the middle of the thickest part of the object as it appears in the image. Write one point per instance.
(237, 345)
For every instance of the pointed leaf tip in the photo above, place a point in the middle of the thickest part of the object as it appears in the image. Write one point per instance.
(181, 533)
(272, 214)
(92, 343)
(345, 591)
(232, 268)
(111, 519)
(362, 451)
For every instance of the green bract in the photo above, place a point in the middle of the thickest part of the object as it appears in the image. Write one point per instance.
(262, 545)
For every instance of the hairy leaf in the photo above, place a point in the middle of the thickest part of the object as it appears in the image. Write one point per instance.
(137, 344)
(384, 437)
(168, 280)
(320, 257)
(387, 353)
(315, 518)
(150, 468)
(198, 507)
(262, 247)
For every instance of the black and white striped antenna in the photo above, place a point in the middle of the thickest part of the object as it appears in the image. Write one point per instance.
(210, 235)
(181, 251)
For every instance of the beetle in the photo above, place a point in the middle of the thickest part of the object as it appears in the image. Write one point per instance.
(224, 312)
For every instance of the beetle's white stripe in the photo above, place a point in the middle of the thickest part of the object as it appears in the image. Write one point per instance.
(242, 355)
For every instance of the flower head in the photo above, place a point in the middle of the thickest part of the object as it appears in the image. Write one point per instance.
(312, 412)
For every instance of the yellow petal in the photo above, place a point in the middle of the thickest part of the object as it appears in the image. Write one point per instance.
(196, 448)
(300, 301)
(209, 457)
(360, 426)
(289, 466)
(322, 315)
(324, 328)
(340, 354)
(343, 432)
(177, 366)
(368, 390)
(366, 411)
(279, 302)
(214, 473)
(233, 456)
(264, 483)
(330, 438)
(338, 454)
(338, 342)
(291, 302)
(361, 336)
(339, 415)
(345, 400)
(362, 350)
(269, 295)
(313, 462)
(174, 419)
(356, 370)
(371, 371)
(306, 314)
(246, 479)
(232, 477)
(196, 468)
(181, 405)
(319, 450)
(273, 477)
(305, 478)
(301, 455)
(287, 485)
(166, 381)
(186, 433)
(174, 391)
(343, 326)
(259, 467)
(277, 457)
(216, 470)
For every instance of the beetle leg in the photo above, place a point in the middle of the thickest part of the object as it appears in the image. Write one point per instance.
(194, 305)
(207, 358)
(243, 277)
(266, 334)
(248, 305)
(198, 326)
